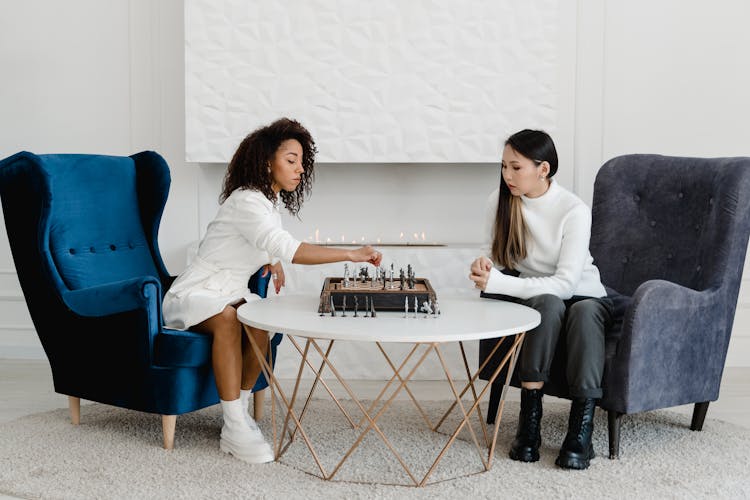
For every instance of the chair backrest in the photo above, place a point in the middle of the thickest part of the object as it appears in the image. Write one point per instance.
(91, 219)
(684, 220)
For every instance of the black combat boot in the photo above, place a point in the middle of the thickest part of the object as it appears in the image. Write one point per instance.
(525, 446)
(577, 449)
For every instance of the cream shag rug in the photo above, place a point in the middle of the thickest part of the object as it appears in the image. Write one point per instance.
(116, 453)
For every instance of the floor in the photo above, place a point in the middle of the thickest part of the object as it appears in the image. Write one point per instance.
(26, 388)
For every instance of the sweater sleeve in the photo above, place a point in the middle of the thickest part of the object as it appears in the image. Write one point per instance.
(574, 251)
(256, 223)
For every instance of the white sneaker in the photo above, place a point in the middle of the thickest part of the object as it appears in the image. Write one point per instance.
(247, 445)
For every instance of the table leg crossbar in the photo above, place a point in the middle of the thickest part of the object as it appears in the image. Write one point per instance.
(293, 421)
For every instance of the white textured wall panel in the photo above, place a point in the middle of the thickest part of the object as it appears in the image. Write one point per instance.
(385, 81)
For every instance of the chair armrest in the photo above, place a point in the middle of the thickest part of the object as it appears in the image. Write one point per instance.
(112, 298)
(663, 313)
(671, 349)
(258, 284)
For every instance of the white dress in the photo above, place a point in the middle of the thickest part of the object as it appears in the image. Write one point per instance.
(245, 235)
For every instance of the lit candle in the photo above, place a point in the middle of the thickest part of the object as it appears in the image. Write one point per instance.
(317, 236)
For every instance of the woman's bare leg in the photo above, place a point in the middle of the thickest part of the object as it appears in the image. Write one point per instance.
(250, 362)
(226, 351)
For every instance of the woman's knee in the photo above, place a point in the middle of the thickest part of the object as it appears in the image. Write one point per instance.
(547, 305)
(227, 324)
(589, 312)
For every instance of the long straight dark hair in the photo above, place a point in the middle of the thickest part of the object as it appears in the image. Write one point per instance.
(509, 233)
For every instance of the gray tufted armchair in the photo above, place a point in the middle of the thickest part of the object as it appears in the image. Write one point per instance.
(669, 236)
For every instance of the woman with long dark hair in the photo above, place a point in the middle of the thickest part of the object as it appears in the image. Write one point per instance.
(540, 257)
(272, 165)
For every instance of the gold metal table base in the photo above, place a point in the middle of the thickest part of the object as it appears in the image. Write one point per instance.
(293, 420)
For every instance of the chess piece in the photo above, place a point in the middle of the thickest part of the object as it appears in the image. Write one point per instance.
(427, 308)
(346, 275)
(356, 305)
(372, 308)
(343, 306)
(333, 308)
(367, 306)
(402, 278)
(416, 307)
(406, 307)
(436, 308)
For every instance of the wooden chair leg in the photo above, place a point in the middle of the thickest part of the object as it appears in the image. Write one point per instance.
(168, 423)
(614, 418)
(258, 399)
(699, 415)
(75, 410)
(495, 392)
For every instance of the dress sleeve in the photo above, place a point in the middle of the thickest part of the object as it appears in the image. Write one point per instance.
(259, 225)
(574, 251)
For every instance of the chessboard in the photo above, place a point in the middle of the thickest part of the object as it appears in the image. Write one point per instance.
(383, 295)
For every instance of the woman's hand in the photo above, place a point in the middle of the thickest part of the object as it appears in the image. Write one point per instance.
(366, 254)
(277, 275)
(480, 272)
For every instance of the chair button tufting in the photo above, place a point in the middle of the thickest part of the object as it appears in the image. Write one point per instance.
(636, 198)
(131, 246)
(697, 227)
(669, 256)
(653, 223)
(711, 201)
(698, 268)
(112, 247)
(92, 249)
(680, 195)
(624, 260)
(72, 251)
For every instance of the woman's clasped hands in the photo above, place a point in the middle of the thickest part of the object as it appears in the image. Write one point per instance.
(480, 272)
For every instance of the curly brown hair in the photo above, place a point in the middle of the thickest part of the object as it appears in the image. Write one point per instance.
(249, 166)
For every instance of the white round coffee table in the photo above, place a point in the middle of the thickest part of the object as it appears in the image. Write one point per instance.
(461, 319)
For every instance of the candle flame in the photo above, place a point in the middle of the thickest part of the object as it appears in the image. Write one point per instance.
(342, 239)
(423, 236)
(416, 236)
(401, 236)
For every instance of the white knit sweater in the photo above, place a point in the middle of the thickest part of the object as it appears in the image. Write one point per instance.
(558, 260)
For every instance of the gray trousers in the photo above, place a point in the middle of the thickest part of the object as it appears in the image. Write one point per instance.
(582, 323)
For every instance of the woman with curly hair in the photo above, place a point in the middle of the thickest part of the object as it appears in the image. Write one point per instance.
(272, 165)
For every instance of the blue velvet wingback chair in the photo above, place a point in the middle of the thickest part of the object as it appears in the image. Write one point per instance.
(83, 234)
(669, 236)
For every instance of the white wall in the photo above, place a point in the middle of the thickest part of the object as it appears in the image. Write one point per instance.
(107, 77)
